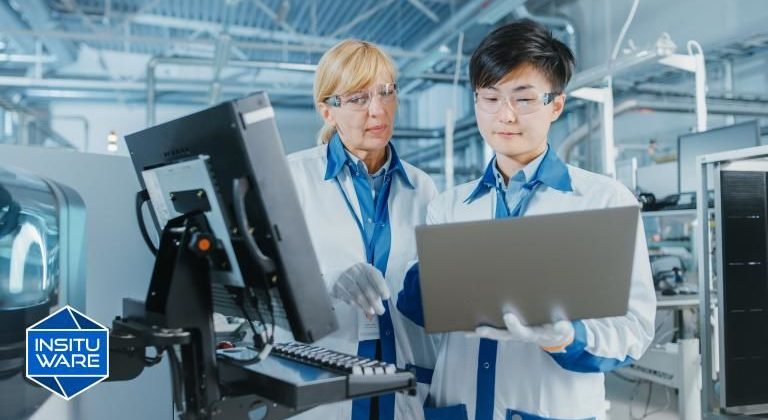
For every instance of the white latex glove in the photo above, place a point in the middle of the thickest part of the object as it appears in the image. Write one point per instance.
(363, 285)
(551, 337)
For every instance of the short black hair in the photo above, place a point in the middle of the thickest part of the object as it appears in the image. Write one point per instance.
(521, 42)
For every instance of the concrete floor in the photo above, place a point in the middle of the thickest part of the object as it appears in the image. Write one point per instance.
(619, 394)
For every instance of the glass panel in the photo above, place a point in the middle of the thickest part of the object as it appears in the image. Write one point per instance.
(29, 240)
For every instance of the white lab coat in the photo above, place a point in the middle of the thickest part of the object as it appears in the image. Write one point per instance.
(337, 242)
(528, 381)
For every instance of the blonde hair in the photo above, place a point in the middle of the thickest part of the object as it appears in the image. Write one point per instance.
(348, 66)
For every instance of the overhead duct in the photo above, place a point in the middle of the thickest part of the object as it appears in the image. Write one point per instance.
(472, 13)
(37, 14)
(562, 24)
(9, 20)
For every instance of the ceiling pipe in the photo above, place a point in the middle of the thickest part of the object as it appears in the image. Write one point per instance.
(432, 133)
(156, 41)
(461, 141)
(417, 133)
(151, 78)
(27, 58)
(714, 106)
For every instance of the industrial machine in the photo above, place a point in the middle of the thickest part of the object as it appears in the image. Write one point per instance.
(42, 229)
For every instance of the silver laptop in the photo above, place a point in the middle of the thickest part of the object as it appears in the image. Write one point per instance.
(575, 265)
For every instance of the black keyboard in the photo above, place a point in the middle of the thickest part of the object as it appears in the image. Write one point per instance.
(326, 358)
(300, 376)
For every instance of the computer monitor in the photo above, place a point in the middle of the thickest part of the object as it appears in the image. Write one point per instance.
(238, 140)
(732, 137)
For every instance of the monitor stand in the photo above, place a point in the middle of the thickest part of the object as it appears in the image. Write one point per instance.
(178, 312)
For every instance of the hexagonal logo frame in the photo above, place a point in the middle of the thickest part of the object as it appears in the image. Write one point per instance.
(67, 353)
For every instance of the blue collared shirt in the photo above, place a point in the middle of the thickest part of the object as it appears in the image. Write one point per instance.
(546, 169)
(513, 190)
(338, 158)
(376, 179)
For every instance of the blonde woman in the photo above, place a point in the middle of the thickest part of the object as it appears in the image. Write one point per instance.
(361, 203)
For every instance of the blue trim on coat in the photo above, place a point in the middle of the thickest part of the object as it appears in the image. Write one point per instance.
(576, 358)
(423, 375)
(486, 379)
(409, 299)
(453, 412)
(527, 416)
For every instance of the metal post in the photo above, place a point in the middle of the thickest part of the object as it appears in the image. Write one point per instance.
(86, 127)
(728, 86)
(151, 65)
(609, 148)
(689, 374)
(701, 91)
(38, 59)
(603, 96)
(705, 332)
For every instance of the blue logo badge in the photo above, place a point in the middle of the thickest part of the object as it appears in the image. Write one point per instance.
(67, 352)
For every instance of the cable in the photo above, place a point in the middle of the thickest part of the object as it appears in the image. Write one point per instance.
(647, 413)
(666, 405)
(177, 380)
(264, 344)
(151, 361)
(672, 332)
(141, 197)
(271, 338)
(664, 321)
(693, 44)
(240, 301)
(624, 29)
(676, 332)
(648, 399)
(270, 332)
(250, 324)
(240, 187)
(659, 338)
(255, 302)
